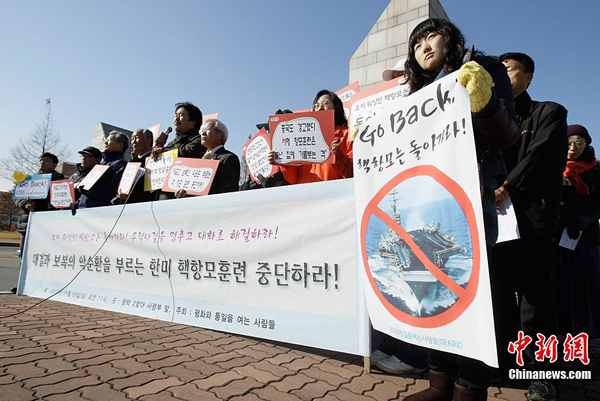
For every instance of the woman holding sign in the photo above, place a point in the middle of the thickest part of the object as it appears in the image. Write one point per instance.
(341, 148)
(436, 49)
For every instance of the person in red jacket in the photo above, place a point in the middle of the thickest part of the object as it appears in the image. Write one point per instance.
(341, 148)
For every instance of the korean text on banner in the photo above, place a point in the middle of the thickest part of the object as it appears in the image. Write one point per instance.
(301, 138)
(158, 170)
(422, 240)
(33, 187)
(274, 263)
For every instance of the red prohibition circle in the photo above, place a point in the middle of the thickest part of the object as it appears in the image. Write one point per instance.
(465, 295)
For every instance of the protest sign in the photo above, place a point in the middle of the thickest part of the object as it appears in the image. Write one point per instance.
(62, 193)
(302, 138)
(158, 170)
(33, 187)
(93, 176)
(421, 233)
(210, 116)
(274, 263)
(155, 130)
(345, 94)
(195, 176)
(256, 154)
(132, 173)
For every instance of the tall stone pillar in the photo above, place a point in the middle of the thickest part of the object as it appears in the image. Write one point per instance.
(387, 42)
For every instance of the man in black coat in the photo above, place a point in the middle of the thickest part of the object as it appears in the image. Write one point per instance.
(141, 148)
(214, 135)
(534, 183)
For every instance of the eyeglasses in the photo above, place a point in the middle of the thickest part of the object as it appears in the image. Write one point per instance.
(321, 105)
(577, 144)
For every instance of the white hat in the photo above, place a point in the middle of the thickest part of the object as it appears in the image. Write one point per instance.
(387, 74)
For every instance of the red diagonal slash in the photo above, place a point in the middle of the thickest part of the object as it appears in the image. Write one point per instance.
(442, 277)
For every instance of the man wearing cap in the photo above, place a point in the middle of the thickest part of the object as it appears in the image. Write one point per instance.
(103, 190)
(90, 156)
(534, 183)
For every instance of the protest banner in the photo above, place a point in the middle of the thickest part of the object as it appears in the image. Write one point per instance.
(158, 170)
(256, 154)
(195, 176)
(301, 138)
(274, 263)
(93, 176)
(33, 187)
(62, 193)
(421, 233)
(132, 173)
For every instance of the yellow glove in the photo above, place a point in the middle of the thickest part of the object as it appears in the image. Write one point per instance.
(478, 83)
(353, 133)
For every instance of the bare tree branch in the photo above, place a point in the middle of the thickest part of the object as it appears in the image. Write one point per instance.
(25, 155)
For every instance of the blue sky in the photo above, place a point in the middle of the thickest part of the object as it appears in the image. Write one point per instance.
(128, 62)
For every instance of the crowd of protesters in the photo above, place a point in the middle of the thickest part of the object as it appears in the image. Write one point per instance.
(525, 150)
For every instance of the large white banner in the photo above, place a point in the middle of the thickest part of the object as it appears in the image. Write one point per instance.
(275, 263)
(420, 222)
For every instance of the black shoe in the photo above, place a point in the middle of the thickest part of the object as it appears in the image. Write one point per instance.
(540, 390)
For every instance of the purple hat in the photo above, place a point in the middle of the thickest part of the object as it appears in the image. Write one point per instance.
(579, 130)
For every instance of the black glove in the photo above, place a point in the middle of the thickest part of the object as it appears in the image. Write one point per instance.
(573, 231)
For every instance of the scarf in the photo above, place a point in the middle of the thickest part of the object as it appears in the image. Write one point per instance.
(573, 172)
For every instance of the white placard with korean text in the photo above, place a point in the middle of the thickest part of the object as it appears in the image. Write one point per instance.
(195, 176)
(256, 154)
(62, 193)
(132, 173)
(157, 170)
(279, 263)
(420, 223)
(93, 176)
(300, 138)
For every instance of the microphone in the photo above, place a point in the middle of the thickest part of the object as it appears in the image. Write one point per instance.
(161, 143)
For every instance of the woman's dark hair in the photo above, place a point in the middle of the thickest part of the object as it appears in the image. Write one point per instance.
(340, 116)
(454, 50)
(588, 154)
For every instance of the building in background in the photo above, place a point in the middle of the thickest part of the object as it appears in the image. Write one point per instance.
(387, 42)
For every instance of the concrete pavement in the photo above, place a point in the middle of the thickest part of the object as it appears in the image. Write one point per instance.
(58, 351)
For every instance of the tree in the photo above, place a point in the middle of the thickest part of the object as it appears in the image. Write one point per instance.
(8, 210)
(25, 155)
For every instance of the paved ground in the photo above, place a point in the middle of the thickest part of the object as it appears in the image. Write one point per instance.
(58, 351)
